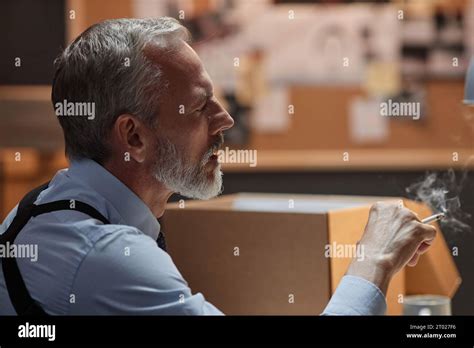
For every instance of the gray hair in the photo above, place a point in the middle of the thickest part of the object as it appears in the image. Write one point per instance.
(106, 66)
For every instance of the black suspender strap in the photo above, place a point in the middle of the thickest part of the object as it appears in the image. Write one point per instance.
(19, 294)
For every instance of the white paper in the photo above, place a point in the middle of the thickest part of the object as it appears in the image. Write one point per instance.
(271, 114)
(296, 206)
(366, 124)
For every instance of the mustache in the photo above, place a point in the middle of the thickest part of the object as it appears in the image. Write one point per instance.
(216, 146)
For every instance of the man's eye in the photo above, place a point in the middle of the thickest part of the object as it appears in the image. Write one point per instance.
(202, 108)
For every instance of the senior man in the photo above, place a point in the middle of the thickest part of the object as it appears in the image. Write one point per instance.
(155, 131)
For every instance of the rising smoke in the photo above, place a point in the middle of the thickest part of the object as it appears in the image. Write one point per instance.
(441, 192)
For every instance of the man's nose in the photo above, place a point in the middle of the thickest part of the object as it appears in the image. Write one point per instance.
(220, 121)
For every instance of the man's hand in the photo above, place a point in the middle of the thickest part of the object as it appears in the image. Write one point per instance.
(393, 237)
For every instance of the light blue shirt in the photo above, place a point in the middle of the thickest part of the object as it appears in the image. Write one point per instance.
(84, 267)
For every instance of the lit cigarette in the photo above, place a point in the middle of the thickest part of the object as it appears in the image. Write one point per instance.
(432, 218)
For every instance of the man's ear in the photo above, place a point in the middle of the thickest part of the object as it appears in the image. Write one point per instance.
(131, 136)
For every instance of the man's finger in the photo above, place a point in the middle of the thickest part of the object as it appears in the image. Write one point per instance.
(424, 247)
(414, 260)
(425, 232)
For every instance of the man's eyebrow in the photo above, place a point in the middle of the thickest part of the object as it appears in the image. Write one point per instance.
(208, 91)
(204, 94)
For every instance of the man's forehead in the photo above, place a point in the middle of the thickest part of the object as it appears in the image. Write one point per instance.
(177, 57)
(182, 67)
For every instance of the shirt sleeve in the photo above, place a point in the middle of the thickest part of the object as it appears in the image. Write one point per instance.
(127, 274)
(356, 296)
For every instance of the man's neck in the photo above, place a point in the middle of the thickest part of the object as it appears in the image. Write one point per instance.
(139, 180)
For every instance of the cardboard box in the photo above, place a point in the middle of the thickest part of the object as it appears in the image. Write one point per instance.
(266, 253)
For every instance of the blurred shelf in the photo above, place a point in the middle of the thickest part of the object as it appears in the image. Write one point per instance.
(359, 160)
(25, 92)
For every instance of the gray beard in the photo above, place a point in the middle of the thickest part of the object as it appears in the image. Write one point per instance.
(181, 176)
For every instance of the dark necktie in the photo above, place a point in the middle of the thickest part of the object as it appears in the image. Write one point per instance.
(161, 241)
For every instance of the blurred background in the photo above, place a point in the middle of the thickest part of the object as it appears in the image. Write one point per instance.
(304, 81)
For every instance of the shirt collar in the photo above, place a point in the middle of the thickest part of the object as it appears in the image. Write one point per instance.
(131, 208)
